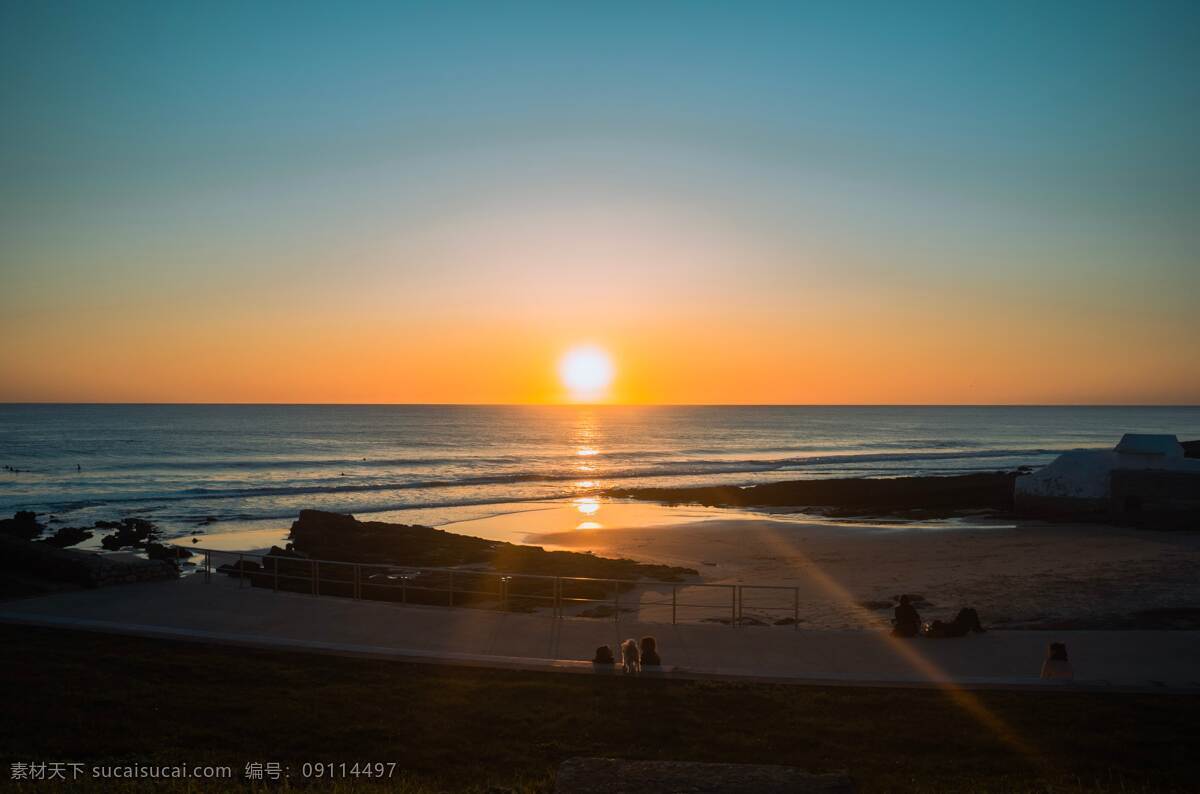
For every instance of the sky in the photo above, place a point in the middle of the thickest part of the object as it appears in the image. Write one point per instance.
(739, 202)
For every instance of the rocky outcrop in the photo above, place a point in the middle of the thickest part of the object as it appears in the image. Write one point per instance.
(851, 496)
(335, 554)
(333, 536)
(167, 551)
(130, 533)
(23, 525)
(77, 567)
(67, 536)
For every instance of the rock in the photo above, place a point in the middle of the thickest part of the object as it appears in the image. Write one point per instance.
(67, 536)
(936, 495)
(333, 536)
(133, 532)
(240, 569)
(167, 551)
(23, 525)
(78, 567)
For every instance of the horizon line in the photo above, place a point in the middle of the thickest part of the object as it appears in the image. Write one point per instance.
(600, 405)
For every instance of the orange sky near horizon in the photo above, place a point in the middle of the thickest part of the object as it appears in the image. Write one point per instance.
(891, 353)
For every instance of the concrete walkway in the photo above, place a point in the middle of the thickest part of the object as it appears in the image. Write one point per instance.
(221, 611)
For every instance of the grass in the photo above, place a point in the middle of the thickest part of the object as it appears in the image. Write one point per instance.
(94, 698)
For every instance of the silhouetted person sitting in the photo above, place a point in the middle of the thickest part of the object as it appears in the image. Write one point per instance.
(650, 652)
(966, 621)
(1056, 664)
(907, 622)
(604, 655)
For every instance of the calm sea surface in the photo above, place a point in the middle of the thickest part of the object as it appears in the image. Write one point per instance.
(178, 464)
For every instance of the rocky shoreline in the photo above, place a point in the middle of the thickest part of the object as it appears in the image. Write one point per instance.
(913, 497)
(466, 567)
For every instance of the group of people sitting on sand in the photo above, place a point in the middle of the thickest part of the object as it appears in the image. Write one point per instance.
(634, 656)
(907, 623)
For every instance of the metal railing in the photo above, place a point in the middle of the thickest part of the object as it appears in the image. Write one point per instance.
(732, 604)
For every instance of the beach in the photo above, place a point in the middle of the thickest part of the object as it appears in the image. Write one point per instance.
(1017, 574)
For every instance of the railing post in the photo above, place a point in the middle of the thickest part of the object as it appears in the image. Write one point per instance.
(357, 589)
(451, 588)
(312, 573)
(733, 606)
(241, 572)
(558, 597)
(275, 568)
(796, 607)
(674, 602)
(207, 566)
(404, 589)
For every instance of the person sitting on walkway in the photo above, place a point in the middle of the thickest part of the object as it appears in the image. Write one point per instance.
(965, 622)
(1056, 664)
(907, 622)
(650, 652)
(604, 655)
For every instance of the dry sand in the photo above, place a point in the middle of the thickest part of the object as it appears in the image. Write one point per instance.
(1014, 574)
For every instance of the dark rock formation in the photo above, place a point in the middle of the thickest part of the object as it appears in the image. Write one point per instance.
(23, 525)
(333, 536)
(78, 567)
(67, 536)
(131, 532)
(240, 569)
(334, 554)
(853, 496)
(167, 551)
(1191, 449)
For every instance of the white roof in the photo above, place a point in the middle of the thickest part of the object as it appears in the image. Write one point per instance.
(1148, 444)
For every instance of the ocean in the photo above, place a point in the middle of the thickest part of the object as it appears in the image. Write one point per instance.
(252, 465)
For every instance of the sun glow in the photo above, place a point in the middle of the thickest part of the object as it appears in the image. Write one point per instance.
(587, 372)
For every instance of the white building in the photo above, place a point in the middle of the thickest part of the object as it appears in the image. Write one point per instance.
(1081, 480)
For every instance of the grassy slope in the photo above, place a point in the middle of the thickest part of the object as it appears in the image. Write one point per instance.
(87, 697)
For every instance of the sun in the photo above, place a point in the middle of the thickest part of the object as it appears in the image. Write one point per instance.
(587, 372)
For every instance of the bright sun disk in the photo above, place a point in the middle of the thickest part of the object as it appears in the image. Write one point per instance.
(586, 372)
